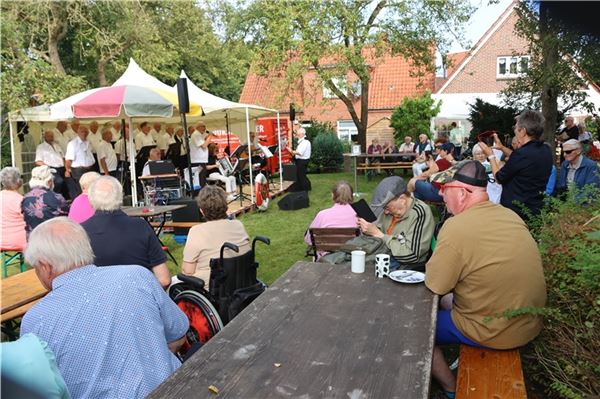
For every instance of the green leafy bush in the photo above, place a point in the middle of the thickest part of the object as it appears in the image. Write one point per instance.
(316, 128)
(327, 152)
(485, 116)
(413, 116)
(565, 357)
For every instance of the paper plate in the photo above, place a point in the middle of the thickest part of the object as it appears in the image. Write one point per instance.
(407, 276)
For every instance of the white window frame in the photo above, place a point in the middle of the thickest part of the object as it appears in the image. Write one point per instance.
(508, 59)
(346, 133)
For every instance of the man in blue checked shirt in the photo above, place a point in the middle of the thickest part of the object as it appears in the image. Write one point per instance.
(112, 329)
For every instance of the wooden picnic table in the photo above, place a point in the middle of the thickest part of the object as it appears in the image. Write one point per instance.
(394, 157)
(319, 331)
(19, 293)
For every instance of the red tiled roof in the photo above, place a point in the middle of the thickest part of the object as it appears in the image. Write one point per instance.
(391, 81)
(454, 60)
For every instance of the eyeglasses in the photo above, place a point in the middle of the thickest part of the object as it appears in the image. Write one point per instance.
(569, 151)
(444, 187)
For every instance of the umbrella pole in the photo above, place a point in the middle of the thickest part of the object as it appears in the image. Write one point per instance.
(249, 156)
(186, 142)
(125, 149)
(134, 197)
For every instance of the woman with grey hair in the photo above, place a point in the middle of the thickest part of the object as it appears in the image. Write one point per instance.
(81, 209)
(12, 224)
(41, 203)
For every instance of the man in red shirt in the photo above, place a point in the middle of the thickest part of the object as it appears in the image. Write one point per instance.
(420, 185)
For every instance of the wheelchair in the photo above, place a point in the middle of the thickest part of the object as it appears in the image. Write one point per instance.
(233, 286)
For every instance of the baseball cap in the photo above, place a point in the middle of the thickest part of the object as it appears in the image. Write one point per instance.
(472, 173)
(388, 189)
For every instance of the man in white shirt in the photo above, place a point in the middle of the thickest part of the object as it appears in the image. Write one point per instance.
(144, 138)
(78, 159)
(95, 136)
(59, 135)
(116, 131)
(71, 133)
(156, 131)
(302, 156)
(51, 154)
(107, 158)
(166, 139)
(199, 142)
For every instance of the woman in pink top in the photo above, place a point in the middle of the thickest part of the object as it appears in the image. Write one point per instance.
(81, 209)
(341, 214)
(12, 224)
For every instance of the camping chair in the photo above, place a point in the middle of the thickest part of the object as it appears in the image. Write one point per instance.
(12, 257)
(329, 239)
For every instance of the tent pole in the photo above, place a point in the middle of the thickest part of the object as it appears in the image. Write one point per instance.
(249, 156)
(186, 143)
(12, 143)
(134, 196)
(227, 132)
(279, 150)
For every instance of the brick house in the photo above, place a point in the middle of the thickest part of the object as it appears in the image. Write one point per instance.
(391, 81)
(497, 58)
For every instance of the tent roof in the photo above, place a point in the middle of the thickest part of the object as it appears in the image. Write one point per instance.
(136, 76)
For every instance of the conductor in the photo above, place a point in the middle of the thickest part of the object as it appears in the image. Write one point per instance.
(302, 156)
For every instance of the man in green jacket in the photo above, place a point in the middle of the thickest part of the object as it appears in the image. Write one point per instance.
(404, 223)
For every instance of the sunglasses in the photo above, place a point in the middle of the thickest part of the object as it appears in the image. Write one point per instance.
(444, 187)
(568, 151)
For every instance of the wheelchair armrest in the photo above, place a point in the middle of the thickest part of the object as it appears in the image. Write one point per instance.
(195, 282)
(231, 246)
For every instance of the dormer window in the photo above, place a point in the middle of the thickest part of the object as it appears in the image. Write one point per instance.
(511, 67)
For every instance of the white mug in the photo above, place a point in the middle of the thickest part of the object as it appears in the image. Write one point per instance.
(382, 265)
(358, 261)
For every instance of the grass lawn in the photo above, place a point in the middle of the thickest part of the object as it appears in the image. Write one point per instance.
(285, 228)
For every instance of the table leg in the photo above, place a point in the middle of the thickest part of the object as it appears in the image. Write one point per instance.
(157, 231)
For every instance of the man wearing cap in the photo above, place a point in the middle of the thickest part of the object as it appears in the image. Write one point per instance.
(485, 280)
(404, 223)
(425, 190)
(576, 169)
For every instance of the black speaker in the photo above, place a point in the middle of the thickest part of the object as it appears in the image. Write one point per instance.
(293, 201)
(292, 112)
(182, 95)
(190, 213)
(289, 172)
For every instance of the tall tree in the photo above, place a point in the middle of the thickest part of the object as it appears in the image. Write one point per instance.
(564, 46)
(345, 38)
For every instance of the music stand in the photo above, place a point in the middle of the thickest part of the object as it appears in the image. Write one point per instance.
(242, 164)
(238, 151)
(273, 150)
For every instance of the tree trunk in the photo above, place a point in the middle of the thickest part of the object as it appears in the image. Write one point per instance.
(549, 95)
(57, 30)
(364, 114)
(101, 72)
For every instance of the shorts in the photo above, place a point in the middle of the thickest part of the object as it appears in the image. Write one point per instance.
(446, 332)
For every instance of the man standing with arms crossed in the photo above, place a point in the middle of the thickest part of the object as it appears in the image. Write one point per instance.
(78, 160)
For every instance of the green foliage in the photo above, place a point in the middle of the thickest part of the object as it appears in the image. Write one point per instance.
(413, 116)
(316, 128)
(327, 152)
(485, 116)
(564, 358)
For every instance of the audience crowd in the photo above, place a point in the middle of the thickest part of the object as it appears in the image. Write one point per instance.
(108, 329)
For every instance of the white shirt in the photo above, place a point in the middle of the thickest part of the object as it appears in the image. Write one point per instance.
(197, 153)
(116, 134)
(95, 139)
(164, 141)
(143, 140)
(80, 153)
(156, 135)
(69, 134)
(60, 139)
(303, 149)
(410, 147)
(120, 150)
(50, 154)
(105, 151)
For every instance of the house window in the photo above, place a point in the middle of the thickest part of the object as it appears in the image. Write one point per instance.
(346, 129)
(341, 83)
(509, 67)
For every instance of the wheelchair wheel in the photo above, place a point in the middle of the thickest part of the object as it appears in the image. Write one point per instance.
(204, 319)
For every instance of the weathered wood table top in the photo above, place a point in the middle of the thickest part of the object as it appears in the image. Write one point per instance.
(319, 332)
(19, 292)
(148, 211)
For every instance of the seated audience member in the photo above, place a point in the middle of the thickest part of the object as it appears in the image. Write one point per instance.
(585, 137)
(112, 329)
(30, 363)
(118, 239)
(81, 209)
(423, 148)
(484, 278)
(577, 169)
(154, 155)
(493, 189)
(41, 203)
(206, 239)
(407, 146)
(12, 224)
(425, 190)
(404, 223)
(525, 174)
(215, 173)
(341, 214)
(374, 149)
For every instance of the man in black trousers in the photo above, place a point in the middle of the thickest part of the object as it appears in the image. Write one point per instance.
(302, 156)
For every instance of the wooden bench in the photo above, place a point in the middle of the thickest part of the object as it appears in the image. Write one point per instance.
(384, 165)
(329, 239)
(489, 374)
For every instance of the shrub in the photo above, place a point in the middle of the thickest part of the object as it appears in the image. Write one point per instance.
(327, 152)
(316, 128)
(485, 116)
(413, 116)
(564, 358)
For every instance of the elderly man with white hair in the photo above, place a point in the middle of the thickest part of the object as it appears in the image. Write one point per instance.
(118, 239)
(576, 168)
(50, 153)
(302, 155)
(112, 330)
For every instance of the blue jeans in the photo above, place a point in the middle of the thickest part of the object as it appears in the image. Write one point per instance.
(425, 191)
